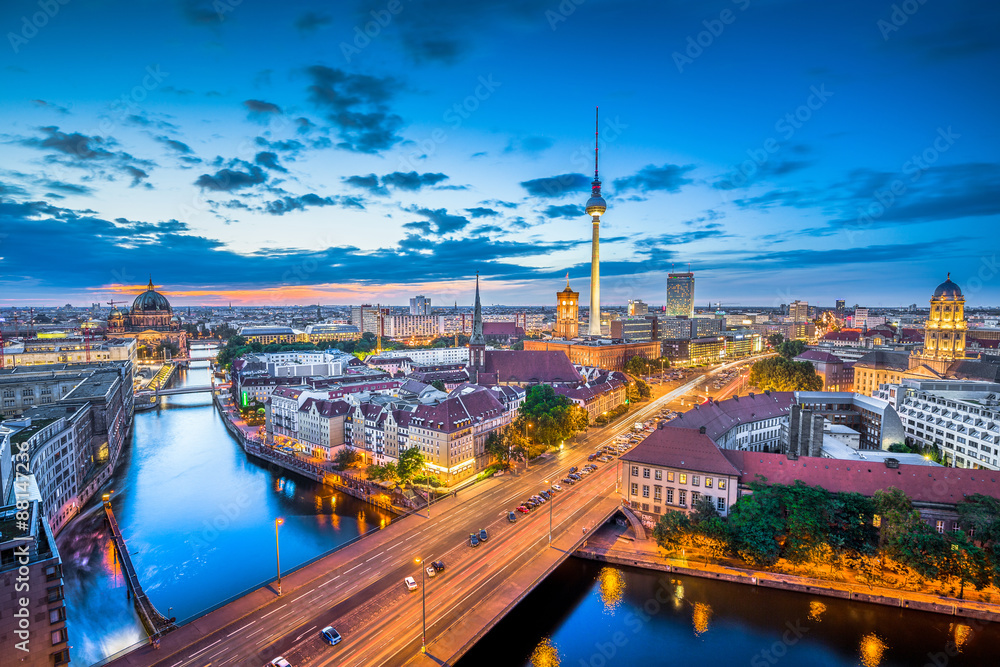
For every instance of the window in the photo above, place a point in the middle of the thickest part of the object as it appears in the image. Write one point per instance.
(694, 497)
(708, 482)
(720, 504)
(940, 526)
(682, 497)
(61, 658)
(55, 594)
(645, 473)
(645, 490)
(657, 493)
(635, 471)
(656, 509)
(877, 520)
(670, 496)
(658, 474)
(57, 615)
(722, 483)
(645, 507)
(670, 475)
(684, 478)
(635, 489)
(59, 636)
(695, 479)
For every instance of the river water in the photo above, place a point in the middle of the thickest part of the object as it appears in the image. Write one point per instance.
(198, 518)
(588, 614)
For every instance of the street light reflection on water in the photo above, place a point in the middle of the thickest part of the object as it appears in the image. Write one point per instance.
(700, 618)
(816, 609)
(545, 654)
(873, 648)
(612, 588)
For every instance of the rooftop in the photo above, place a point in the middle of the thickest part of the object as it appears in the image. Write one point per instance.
(719, 416)
(683, 448)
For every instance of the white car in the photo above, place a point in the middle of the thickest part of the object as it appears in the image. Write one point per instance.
(279, 662)
(431, 571)
(411, 585)
(556, 487)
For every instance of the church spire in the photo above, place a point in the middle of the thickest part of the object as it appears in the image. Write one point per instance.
(477, 319)
(150, 282)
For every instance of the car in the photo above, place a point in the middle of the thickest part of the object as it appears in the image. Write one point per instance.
(530, 504)
(592, 457)
(483, 535)
(473, 540)
(604, 459)
(279, 662)
(576, 476)
(411, 584)
(538, 499)
(330, 636)
(438, 565)
(569, 480)
(573, 470)
(523, 509)
(430, 571)
(556, 487)
(545, 494)
(511, 517)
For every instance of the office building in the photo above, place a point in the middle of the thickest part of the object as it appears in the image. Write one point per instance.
(799, 311)
(420, 305)
(637, 308)
(680, 295)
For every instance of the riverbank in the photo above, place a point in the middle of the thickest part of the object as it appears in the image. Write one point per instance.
(611, 545)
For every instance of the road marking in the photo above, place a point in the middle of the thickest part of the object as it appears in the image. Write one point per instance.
(329, 582)
(375, 556)
(354, 568)
(306, 632)
(286, 615)
(243, 628)
(205, 649)
(276, 610)
(176, 663)
(214, 655)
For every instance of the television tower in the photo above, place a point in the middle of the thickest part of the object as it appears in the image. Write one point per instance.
(596, 206)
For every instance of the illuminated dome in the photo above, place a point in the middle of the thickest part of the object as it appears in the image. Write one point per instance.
(150, 301)
(596, 206)
(948, 290)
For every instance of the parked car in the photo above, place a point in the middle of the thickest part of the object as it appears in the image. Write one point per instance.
(545, 494)
(592, 457)
(330, 636)
(573, 470)
(411, 584)
(523, 509)
(483, 535)
(576, 476)
(604, 459)
(438, 565)
(556, 487)
(279, 662)
(569, 480)
(473, 540)
(430, 571)
(512, 517)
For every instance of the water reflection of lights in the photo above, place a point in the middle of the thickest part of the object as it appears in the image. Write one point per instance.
(700, 618)
(545, 654)
(872, 649)
(612, 588)
(678, 593)
(111, 564)
(816, 610)
(962, 634)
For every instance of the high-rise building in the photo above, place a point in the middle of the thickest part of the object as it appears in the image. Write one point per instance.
(840, 307)
(596, 206)
(637, 308)
(860, 317)
(420, 305)
(799, 311)
(680, 294)
(567, 313)
(366, 318)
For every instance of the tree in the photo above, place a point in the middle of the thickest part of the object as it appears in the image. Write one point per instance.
(411, 461)
(551, 417)
(345, 458)
(791, 348)
(439, 385)
(980, 515)
(780, 374)
(774, 340)
(671, 530)
(702, 510)
(755, 525)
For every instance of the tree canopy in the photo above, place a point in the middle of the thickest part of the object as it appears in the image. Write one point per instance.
(781, 374)
(550, 417)
(791, 348)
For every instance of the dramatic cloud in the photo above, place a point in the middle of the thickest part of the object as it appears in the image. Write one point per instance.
(482, 212)
(557, 186)
(310, 21)
(260, 110)
(411, 180)
(442, 221)
(564, 211)
(357, 107)
(52, 107)
(227, 180)
(669, 177)
(369, 183)
(289, 204)
(269, 160)
(87, 152)
(528, 145)
(174, 144)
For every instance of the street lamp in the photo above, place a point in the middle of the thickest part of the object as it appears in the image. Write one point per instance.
(423, 607)
(277, 549)
(552, 500)
(527, 425)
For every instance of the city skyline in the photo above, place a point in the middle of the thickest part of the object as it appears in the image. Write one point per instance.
(332, 166)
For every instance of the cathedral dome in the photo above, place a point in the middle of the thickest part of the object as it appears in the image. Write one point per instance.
(150, 301)
(948, 290)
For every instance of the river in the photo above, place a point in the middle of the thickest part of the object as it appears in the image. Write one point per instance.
(588, 614)
(198, 517)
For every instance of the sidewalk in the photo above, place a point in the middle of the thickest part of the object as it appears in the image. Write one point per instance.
(610, 545)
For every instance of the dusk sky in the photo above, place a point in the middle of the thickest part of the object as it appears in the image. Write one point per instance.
(273, 152)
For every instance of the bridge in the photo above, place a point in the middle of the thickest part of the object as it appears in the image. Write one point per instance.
(359, 588)
(156, 624)
(143, 393)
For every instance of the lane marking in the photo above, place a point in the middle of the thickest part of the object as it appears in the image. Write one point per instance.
(205, 649)
(306, 632)
(274, 611)
(243, 628)
(328, 582)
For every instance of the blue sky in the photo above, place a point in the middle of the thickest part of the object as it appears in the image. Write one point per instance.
(301, 152)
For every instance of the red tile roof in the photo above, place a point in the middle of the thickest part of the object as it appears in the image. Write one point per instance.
(683, 448)
(819, 355)
(531, 366)
(923, 484)
(852, 336)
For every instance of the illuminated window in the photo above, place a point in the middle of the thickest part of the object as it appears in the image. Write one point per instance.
(684, 478)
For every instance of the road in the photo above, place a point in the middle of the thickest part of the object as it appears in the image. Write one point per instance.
(361, 592)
